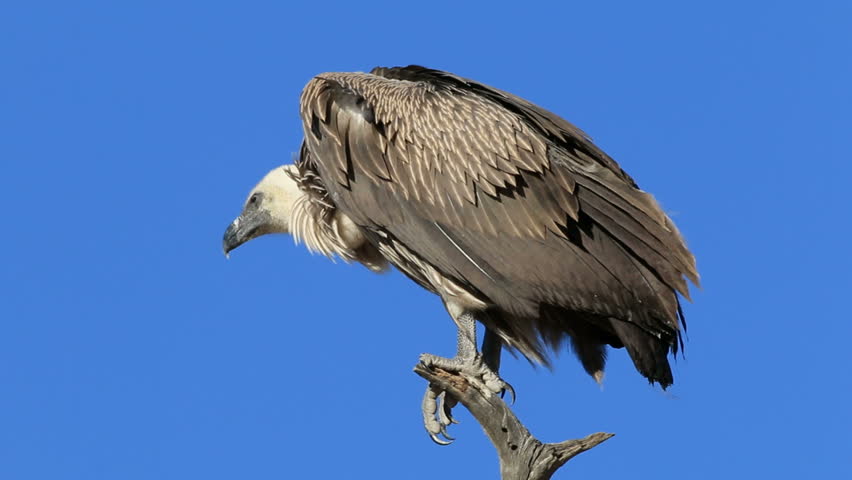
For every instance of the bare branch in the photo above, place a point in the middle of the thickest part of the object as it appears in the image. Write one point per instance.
(522, 456)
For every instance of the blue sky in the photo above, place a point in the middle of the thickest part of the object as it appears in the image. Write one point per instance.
(130, 134)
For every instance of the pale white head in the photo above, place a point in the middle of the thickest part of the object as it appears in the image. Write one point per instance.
(268, 208)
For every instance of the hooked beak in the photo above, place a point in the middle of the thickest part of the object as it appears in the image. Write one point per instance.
(244, 228)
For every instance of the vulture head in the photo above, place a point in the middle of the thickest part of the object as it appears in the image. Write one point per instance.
(268, 209)
(277, 204)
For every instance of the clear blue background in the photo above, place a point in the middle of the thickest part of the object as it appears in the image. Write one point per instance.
(130, 133)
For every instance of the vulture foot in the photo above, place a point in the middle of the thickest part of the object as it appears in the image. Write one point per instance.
(438, 404)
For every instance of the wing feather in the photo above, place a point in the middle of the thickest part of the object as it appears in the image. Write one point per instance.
(540, 215)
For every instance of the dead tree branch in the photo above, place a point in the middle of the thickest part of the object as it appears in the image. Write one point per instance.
(522, 456)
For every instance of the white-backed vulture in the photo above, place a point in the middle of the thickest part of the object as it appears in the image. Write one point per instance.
(503, 209)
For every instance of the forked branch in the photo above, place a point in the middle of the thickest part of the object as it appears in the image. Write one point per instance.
(522, 456)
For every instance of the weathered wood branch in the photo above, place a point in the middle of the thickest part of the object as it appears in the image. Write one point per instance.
(522, 456)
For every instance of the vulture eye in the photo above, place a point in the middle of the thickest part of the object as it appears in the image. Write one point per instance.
(254, 199)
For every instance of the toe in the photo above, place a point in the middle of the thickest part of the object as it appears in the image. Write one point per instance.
(436, 425)
(445, 415)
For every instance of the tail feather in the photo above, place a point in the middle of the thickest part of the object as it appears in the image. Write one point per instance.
(649, 353)
(592, 355)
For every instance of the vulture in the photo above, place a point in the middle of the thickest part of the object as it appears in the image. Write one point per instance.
(507, 212)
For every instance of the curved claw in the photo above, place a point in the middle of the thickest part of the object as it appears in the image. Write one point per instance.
(508, 387)
(437, 440)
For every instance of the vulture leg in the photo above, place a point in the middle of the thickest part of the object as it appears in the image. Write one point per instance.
(437, 405)
(492, 348)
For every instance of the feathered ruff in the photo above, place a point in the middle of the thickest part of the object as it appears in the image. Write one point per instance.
(317, 223)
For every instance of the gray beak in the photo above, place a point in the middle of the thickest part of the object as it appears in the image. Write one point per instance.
(244, 228)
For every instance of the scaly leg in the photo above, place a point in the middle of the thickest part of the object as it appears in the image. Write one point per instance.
(437, 405)
(492, 347)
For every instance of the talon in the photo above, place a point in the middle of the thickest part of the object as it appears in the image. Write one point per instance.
(508, 388)
(437, 440)
(438, 404)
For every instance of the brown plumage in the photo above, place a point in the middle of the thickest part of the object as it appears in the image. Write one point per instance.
(501, 206)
